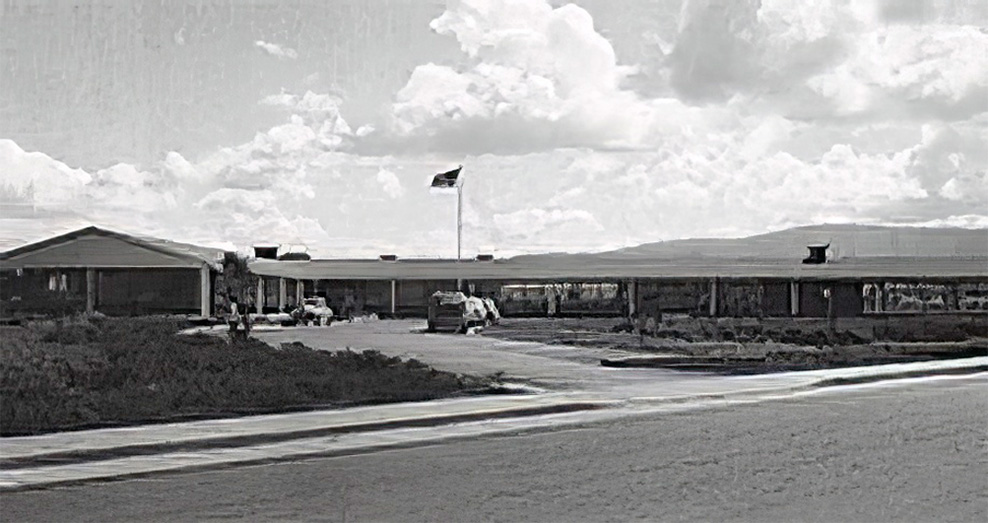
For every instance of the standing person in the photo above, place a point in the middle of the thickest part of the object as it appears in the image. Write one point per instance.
(234, 318)
(550, 300)
(348, 305)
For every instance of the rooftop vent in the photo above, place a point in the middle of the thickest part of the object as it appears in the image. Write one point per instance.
(818, 253)
(389, 257)
(267, 252)
(485, 257)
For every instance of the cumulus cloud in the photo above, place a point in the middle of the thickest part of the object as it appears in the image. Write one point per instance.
(37, 178)
(830, 58)
(541, 74)
(277, 50)
(236, 194)
(775, 114)
(390, 184)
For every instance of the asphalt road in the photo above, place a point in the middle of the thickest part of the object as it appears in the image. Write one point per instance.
(900, 452)
(560, 368)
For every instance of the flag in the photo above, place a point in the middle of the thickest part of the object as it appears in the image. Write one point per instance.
(446, 179)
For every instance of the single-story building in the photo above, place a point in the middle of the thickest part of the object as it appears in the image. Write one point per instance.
(869, 270)
(94, 269)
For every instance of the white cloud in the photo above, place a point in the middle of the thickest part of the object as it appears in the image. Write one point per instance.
(895, 68)
(524, 224)
(966, 187)
(390, 184)
(277, 50)
(786, 113)
(540, 74)
(38, 178)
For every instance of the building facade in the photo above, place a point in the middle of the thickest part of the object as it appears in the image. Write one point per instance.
(97, 270)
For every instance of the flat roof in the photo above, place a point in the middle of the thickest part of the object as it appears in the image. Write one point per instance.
(579, 268)
(855, 252)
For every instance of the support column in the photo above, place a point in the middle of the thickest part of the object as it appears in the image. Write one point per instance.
(299, 293)
(90, 290)
(282, 293)
(794, 298)
(393, 305)
(259, 305)
(632, 297)
(713, 298)
(204, 291)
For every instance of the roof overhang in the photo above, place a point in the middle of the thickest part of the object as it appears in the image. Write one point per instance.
(561, 269)
(192, 256)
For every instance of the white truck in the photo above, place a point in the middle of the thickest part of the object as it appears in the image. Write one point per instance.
(315, 310)
(458, 312)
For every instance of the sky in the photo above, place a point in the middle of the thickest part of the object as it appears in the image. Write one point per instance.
(581, 126)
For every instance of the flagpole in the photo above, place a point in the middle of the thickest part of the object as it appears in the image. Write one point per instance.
(459, 219)
(459, 230)
(444, 181)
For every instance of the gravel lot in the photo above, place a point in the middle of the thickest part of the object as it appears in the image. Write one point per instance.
(899, 452)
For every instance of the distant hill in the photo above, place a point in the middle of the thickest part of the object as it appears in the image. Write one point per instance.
(846, 241)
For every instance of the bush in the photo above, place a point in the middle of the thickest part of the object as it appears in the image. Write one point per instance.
(81, 373)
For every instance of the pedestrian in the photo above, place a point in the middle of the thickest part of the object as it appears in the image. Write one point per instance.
(550, 300)
(348, 305)
(233, 319)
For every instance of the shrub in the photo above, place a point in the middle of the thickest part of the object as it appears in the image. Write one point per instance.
(82, 373)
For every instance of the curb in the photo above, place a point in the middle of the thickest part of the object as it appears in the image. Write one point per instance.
(821, 383)
(95, 457)
(92, 456)
(954, 371)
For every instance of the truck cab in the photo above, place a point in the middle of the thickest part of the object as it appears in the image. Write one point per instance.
(455, 311)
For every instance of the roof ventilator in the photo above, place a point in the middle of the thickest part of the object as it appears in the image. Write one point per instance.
(266, 252)
(818, 253)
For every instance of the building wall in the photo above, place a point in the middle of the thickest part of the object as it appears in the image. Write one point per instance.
(749, 297)
(690, 297)
(374, 296)
(117, 292)
(40, 291)
(413, 296)
(571, 298)
(845, 298)
(144, 291)
(739, 298)
(776, 299)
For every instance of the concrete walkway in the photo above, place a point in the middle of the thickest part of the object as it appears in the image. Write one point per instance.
(578, 392)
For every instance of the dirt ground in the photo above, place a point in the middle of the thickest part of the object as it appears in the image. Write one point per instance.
(738, 346)
(904, 452)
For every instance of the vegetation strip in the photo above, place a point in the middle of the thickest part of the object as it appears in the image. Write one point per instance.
(88, 456)
(86, 373)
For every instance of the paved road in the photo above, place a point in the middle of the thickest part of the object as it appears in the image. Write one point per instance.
(575, 371)
(895, 451)
(556, 367)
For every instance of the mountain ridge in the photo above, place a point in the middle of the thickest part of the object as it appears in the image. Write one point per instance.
(846, 241)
